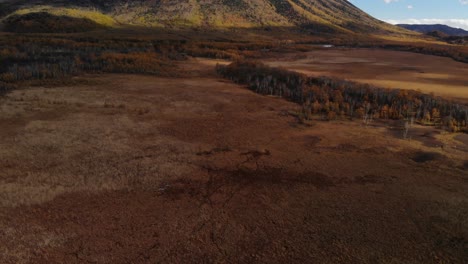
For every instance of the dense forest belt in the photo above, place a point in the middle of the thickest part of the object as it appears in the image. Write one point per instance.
(43, 22)
(456, 52)
(26, 57)
(335, 98)
(5, 87)
(38, 58)
(443, 51)
(44, 57)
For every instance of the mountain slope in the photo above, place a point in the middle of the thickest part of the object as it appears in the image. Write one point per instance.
(42, 22)
(330, 16)
(437, 27)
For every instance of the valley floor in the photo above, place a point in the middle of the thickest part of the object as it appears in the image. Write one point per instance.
(382, 68)
(140, 169)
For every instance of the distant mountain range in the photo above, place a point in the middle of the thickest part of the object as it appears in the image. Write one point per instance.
(322, 16)
(437, 27)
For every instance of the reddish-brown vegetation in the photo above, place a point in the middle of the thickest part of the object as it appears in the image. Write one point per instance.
(143, 169)
(331, 97)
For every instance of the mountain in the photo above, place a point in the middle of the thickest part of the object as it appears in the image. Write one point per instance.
(327, 16)
(436, 28)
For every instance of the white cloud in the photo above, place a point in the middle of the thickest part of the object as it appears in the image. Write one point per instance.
(410, 7)
(457, 23)
(463, 2)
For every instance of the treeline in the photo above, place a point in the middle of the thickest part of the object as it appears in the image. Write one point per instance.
(456, 52)
(5, 87)
(237, 51)
(42, 57)
(230, 50)
(43, 22)
(253, 50)
(26, 57)
(334, 98)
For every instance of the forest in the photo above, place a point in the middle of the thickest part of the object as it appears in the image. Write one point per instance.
(42, 22)
(333, 98)
(29, 57)
(26, 57)
(40, 58)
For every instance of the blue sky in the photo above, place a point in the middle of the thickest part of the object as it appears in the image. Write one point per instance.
(450, 12)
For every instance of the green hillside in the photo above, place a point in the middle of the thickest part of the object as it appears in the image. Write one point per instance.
(326, 16)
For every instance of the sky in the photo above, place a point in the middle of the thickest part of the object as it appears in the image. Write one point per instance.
(449, 12)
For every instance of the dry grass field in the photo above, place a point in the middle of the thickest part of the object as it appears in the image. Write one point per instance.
(141, 169)
(389, 69)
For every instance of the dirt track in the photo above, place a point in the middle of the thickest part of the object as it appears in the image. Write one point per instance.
(141, 169)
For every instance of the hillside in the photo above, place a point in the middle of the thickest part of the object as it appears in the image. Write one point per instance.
(325, 16)
(437, 27)
(42, 22)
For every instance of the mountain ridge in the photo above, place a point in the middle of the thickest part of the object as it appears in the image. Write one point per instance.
(325, 16)
(427, 28)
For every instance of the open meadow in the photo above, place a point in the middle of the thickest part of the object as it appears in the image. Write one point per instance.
(222, 131)
(118, 168)
(382, 68)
